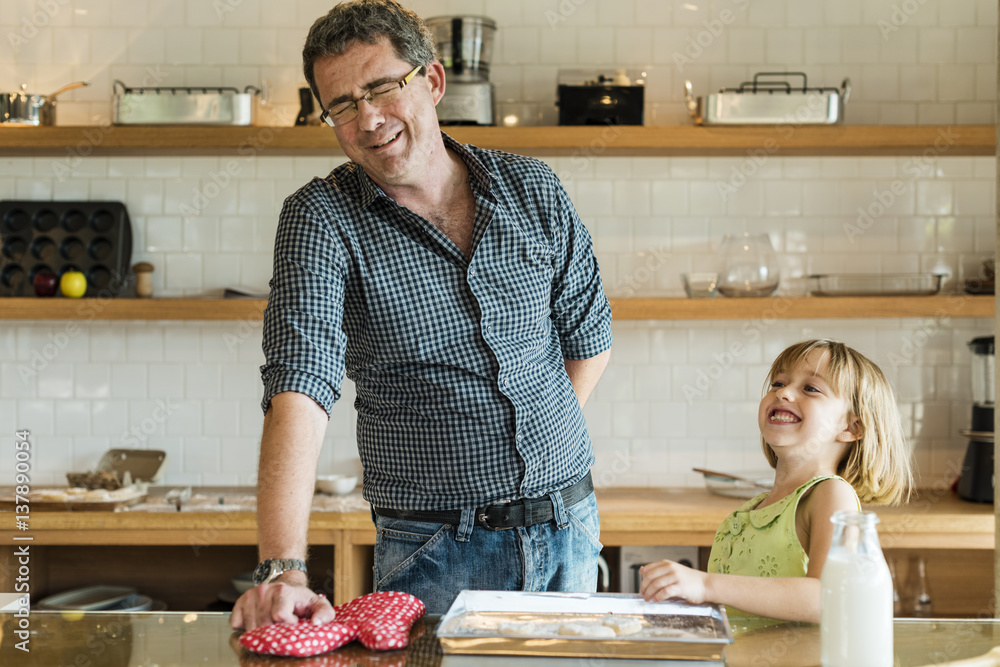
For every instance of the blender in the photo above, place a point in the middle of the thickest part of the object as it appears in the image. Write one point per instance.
(465, 48)
(975, 483)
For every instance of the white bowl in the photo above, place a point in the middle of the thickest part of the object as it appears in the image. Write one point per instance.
(339, 485)
(243, 582)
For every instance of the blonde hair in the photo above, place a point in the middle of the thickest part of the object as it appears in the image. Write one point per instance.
(877, 465)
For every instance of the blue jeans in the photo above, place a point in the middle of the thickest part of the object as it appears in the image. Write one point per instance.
(435, 561)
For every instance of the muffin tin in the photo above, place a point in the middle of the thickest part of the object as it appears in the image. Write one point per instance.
(93, 237)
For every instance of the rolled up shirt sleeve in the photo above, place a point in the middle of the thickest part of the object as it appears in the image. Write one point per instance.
(304, 343)
(581, 312)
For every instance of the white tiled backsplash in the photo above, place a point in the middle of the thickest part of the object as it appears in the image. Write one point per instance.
(674, 396)
(910, 61)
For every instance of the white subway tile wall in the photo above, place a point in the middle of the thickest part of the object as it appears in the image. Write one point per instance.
(677, 394)
(920, 62)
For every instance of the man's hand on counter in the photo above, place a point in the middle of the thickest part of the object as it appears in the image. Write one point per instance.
(280, 602)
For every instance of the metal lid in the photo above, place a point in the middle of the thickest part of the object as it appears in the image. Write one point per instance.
(982, 345)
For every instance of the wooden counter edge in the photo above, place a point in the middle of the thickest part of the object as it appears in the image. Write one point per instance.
(628, 516)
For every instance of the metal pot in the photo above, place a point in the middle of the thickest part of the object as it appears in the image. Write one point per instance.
(22, 108)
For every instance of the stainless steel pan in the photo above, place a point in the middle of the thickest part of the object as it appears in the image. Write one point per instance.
(770, 101)
(22, 108)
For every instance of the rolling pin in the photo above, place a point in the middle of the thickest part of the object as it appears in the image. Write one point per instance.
(989, 659)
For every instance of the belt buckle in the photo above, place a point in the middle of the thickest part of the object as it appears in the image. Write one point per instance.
(483, 517)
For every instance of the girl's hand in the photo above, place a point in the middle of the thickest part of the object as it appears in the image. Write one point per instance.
(666, 579)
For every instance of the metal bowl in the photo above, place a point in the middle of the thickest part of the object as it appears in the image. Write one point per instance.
(754, 483)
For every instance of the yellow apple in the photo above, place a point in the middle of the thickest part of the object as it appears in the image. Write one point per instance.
(73, 284)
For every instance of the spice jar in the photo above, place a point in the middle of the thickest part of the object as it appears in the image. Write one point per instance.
(143, 280)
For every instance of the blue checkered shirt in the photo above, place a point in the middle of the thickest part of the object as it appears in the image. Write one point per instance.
(462, 395)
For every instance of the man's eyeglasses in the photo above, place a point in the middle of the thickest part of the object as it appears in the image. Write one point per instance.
(379, 96)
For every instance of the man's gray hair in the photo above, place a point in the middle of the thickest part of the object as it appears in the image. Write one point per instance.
(367, 21)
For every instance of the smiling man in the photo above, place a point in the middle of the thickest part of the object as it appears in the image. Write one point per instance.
(458, 289)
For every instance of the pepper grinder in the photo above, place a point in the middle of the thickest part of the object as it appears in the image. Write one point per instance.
(143, 280)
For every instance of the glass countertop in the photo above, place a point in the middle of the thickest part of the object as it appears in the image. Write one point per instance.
(168, 639)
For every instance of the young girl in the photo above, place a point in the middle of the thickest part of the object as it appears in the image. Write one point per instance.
(831, 429)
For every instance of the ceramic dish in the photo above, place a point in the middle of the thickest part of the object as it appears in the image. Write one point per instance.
(338, 485)
(242, 582)
(89, 598)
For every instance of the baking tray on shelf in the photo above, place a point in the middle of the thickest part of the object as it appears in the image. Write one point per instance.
(876, 284)
(582, 625)
(93, 237)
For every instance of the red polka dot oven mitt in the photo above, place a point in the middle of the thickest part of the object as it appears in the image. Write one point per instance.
(300, 640)
(381, 621)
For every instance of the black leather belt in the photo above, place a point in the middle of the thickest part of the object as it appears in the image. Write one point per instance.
(502, 516)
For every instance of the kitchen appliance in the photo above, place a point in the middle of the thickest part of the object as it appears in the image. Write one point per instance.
(465, 47)
(186, 105)
(594, 98)
(748, 265)
(770, 99)
(975, 483)
(22, 108)
(93, 237)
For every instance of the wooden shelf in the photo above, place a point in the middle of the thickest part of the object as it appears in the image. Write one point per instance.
(56, 308)
(766, 309)
(675, 140)
(786, 308)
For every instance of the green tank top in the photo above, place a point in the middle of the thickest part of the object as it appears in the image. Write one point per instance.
(763, 542)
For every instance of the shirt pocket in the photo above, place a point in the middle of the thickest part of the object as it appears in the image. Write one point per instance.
(521, 281)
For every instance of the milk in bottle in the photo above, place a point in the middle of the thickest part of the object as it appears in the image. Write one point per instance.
(856, 612)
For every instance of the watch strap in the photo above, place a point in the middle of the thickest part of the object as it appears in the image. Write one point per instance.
(271, 568)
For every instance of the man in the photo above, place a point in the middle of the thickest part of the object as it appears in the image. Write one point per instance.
(457, 287)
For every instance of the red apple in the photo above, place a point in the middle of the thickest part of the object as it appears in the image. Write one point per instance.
(45, 283)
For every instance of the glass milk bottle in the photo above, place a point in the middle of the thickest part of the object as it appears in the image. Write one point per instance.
(856, 612)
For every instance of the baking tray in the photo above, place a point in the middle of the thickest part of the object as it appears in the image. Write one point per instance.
(770, 99)
(94, 237)
(876, 284)
(533, 624)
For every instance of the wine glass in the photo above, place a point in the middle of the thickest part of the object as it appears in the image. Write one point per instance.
(748, 265)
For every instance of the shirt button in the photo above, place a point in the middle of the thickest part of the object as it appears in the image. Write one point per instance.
(505, 383)
(489, 329)
(472, 274)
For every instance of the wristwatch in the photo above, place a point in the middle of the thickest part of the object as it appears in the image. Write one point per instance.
(270, 569)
